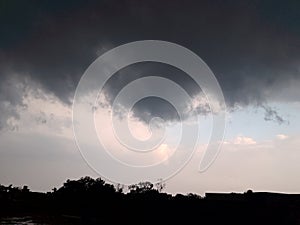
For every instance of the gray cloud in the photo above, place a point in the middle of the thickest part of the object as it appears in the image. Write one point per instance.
(150, 107)
(11, 94)
(253, 47)
(272, 115)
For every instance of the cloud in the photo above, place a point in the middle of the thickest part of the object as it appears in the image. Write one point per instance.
(27, 108)
(252, 48)
(12, 92)
(244, 141)
(272, 115)
(282, 136)
(241, 140)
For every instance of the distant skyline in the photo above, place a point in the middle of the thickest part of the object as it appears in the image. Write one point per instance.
(252, 47)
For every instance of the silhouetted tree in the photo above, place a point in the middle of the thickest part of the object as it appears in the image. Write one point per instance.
(25, 189)
(160, 186)
(119, 188)
(141, 187)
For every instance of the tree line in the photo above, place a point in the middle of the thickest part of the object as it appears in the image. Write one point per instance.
(94, 201)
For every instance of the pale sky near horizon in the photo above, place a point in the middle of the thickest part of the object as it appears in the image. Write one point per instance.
(252, 47)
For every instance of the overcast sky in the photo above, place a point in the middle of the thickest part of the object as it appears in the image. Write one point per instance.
(252, 47)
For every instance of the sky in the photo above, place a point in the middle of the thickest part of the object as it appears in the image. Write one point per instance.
(252, 48)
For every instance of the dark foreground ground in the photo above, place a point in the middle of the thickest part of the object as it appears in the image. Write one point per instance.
(89, 201)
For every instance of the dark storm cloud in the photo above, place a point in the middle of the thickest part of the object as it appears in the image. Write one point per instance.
(253, 47)
(150, 107)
